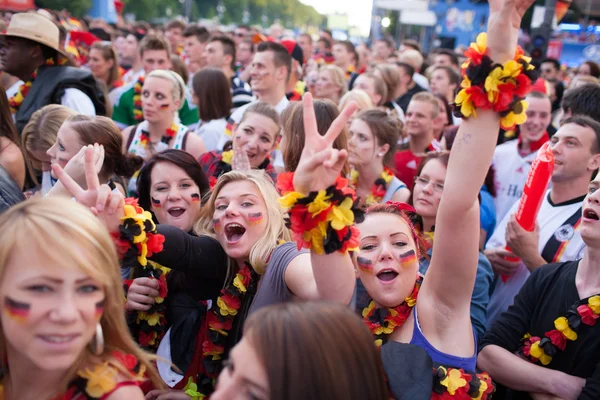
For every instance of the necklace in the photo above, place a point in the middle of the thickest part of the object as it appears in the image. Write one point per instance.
(378, 189)
(138, 114)
(164, 142)
(382, 322)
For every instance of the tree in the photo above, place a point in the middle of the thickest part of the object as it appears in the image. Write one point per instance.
(77, 8)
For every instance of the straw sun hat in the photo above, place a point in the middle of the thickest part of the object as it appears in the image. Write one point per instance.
(37, 28)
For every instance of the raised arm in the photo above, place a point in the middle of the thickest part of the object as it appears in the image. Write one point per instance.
(451, 275)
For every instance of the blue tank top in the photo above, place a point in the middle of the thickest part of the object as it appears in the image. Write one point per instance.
(439, 358)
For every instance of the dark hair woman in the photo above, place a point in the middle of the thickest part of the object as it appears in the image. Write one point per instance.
(11, 156)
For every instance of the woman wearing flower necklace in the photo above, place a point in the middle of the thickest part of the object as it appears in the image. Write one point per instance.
(244, 216)
(434, 313)
(372, 144)
(163, 94)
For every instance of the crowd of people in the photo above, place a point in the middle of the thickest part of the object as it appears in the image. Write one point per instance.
(191, 214)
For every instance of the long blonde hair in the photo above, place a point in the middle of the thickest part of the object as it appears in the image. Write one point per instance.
(276, 229)
(66, 232)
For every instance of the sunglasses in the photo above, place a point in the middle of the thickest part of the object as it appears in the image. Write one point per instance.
(239, 34)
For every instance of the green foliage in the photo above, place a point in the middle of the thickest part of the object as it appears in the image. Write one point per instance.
(77, 8)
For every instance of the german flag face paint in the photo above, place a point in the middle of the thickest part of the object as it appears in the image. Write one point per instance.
(365, 264)
(408, 259)
(164, 106)
(255, 218)
(16, 310)
(217, 224)
(195, 198)
(100, 308)
(155, 202)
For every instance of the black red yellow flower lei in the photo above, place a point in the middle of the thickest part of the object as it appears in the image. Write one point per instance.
(166, 138)
(322, 221)
(15, 101)
(378, 189)
(542, 350)
(138, 114)
(219, 322)
(498, 87)
(453, 383)
(382, 322)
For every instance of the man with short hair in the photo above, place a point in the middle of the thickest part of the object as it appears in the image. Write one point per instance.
(547, 343)
(550, 69)
(446, 58)
(174, 34)
(344, 55)
(240, 33)
(244, 54)
(32, 53)
(407, 87)
(194, 41)
(583, 100)
(421, 112)
(154, 52)
(306, 44)
(576, 148)
(382, 50)
(220, 53)
(512, 160)
(131, 55)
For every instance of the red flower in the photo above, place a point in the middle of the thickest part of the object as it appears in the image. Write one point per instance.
(209, 348)
(557, 338)
(231, 301)
(285, 182)
(154, 243)
(147, 339)
(121, 245)
(506, 92)
(474, 55)
(523, 85)
(527, 345)
(162, 286)
(214, 323)
(126, 360)
(479, 97)
(130, 201)
(212, 181)
(588, 316)
(245, 273)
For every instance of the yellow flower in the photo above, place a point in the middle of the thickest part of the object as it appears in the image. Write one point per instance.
(594, 304)
(100, 381)
(482, 388)
(224, 310)
(367, 310)
(387, 177)
(491, 83)
(227, 156)
(238, 282)
(191, 389)
(517, 118)
(480, 43)
(453, 381)
(319, 204)
(562, 324)
(152, 319)
(378, 342)
(537, 352)
(511, 69)
(315, 237)
(342, 215)
(466, 105)
(143, 253)
(287, 201)
(370, 199)
(354, 176)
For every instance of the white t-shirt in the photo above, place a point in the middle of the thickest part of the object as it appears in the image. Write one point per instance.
(11, 91)
(552, 222)
(511, 175)
(212, 133)
(76, 100)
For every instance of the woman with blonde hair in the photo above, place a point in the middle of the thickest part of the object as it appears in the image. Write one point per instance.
(331, 84)
(62, 318)
(38, 136)
(104, 64)
(244, 216)
(391, 77)
(360, 97)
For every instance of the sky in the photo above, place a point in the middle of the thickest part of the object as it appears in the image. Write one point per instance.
(359, 11)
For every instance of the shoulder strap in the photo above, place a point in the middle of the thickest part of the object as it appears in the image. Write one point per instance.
(131, 136)
(184, 140)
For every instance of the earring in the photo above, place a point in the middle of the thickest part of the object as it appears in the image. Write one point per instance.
(98, 343)
(380, 155)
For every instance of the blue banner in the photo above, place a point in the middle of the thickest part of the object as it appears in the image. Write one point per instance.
(104, 9)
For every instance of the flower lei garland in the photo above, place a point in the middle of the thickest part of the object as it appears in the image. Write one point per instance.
(219, 322)
(322, 221)
(138, 114)
(136, 240)
(17, 100)
(378, 189)
(453, 383)
(382, 322)
(165, 139)
(543, 349)
(498, 87)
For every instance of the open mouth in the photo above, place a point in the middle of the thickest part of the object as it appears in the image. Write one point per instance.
(590, 214)
(58, 339)
(234, 232)
(176, 211)
(387, 275)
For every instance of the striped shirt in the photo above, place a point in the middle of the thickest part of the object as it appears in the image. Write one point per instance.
(240, 92)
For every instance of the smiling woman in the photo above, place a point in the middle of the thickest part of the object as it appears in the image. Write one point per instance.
(62, 316)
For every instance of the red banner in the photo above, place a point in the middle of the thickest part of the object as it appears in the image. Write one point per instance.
(17, 5)
(555, 47)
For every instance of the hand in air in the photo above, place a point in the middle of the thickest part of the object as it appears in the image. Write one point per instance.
(76, 166)
(240, 160)
(320, 164)
(101, 200)
(504, 22)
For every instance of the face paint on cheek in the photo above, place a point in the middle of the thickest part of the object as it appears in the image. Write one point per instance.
(195, 197)
(155, 203)
(255, 218)
(164, 106)
(16, 310)
(408, 259)
(100, 308)
(365, 264)
(217, 224)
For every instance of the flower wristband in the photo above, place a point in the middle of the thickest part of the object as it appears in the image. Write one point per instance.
(322, 221)
(454, 383)
(498, 87)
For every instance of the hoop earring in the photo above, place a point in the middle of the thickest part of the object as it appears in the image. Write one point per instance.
(98, 342)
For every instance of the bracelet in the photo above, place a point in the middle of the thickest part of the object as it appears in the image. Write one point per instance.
(322, 221)
(497, 87)
(457, 384)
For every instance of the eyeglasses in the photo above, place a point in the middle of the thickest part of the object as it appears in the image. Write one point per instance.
(239, 34)
(422, 182)
(546, 70)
